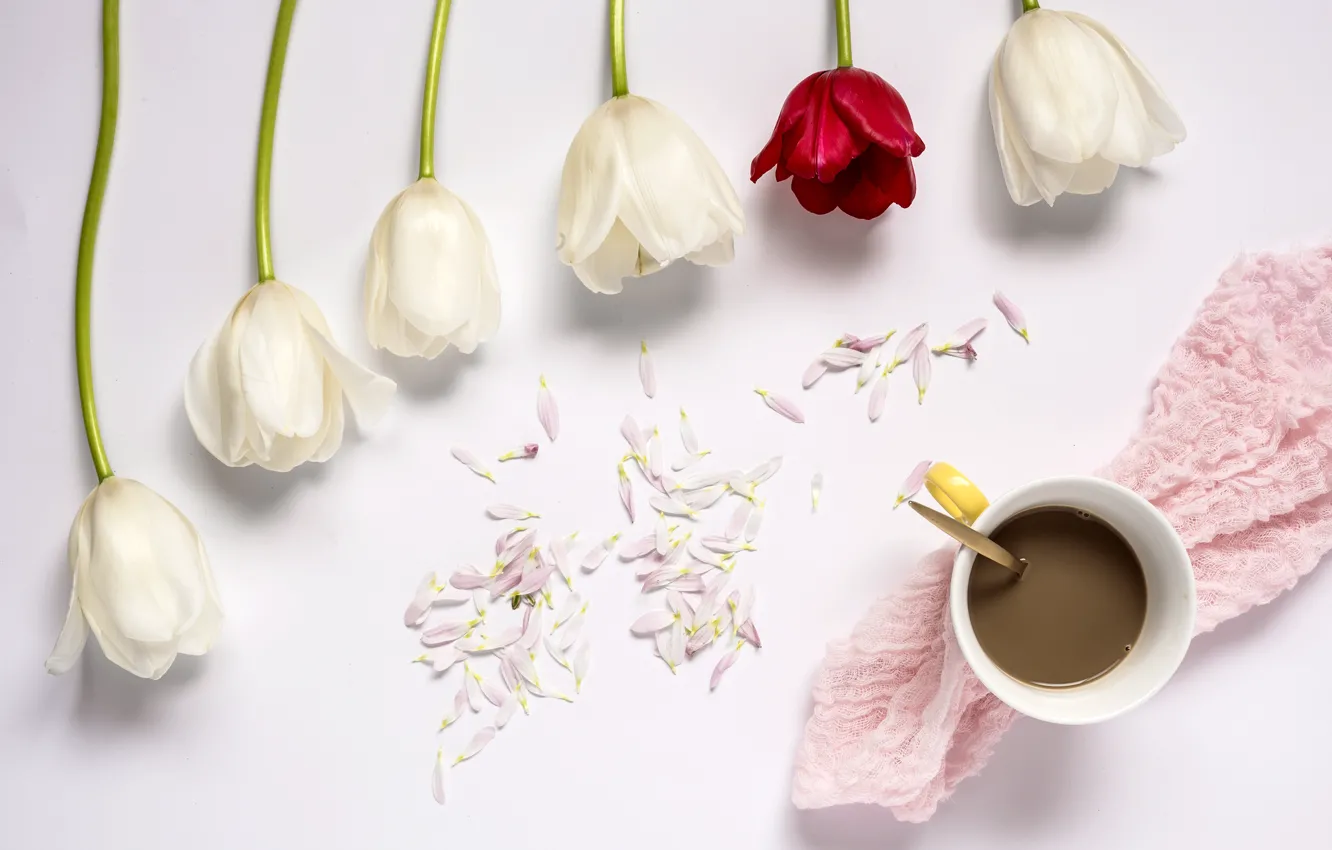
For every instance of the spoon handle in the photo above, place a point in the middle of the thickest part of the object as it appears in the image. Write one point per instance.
(971, 538)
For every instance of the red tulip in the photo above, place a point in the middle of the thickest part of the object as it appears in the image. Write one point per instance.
(845, 137)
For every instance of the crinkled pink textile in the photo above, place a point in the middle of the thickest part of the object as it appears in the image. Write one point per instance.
(1235, 451)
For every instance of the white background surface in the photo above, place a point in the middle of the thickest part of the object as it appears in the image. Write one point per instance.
(306, 727)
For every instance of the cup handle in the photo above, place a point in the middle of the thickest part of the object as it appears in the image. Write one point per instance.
(955, 493)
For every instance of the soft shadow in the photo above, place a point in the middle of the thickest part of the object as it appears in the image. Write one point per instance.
(109, 695)
(647, 305)
(1026, 783)
(834, 244)
(422, 379)
(1071, 218)
(252, 489)
(859, 826)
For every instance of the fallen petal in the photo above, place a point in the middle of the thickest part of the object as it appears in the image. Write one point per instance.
(698, 641)
(752, 523)
(446, 632)
(554, 651)
(506, 712)
(475, 699)
(689, 460)
(626, 492)
(633, 435)
(476, 745)
(842, 357)
(596, 556)
(471, 461)
(505, 540)
(647, 372)
(1012, 314)
(782, 406)
(750, 634)
(701, 500)
(735, 526)
(722, 666)
(687, 437)
(870, 343)
(655, 467)
(689, 582)
(911, 486)
(422, 599)
(653, 622)
(813, 372)
(456, 710)
(667, 505)
(505, 511)
(531, 628)
(866, 373)
(547, 413)
(494, 692)
(764, 470)
(920, 372)
(908, 346)
(662, 535)
(639, 548)
(664, 648)
(582, 656)
(439, 778)
(467, 578)
(525, 451)
(962, 336)
(878, 396)
(726, 545)
(573, 603)
(816, 490)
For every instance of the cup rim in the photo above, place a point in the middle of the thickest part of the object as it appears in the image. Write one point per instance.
(991, 675)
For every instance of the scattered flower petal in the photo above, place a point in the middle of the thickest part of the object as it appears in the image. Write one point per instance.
(698, 641)
(727, 545)
(655, 467)
(736, 525)
(531, 628)
(689, 460)
(706, 556)
(492, 690)
(816, 490)
(446, 632)
(689, 582)
(554, 651)
(741, 603)
(911, 486)
(571, 632)
(525, 668)
(764, 470)
(701, 480)
(467, 578)
(961, 338)
(470, 461)
(559, 553)
(878, 396)
(547, 413)
(653, 622)
(1012, 314)
(920, 372)
(664, 649)
(506, 712)
(687, 437)
(842, 357)
(505, 540)
(662, 534)
(504, 511)
(701, 500)
(813, 372)
(908, 346)
(870, 343)
(749, 633)
(535, 580)
(723, 665)
(753, 522)
(422, 599)
(573, 603)
(521, 547)
(782, 406)
(582, 656)
(668, 505)
(633, 435)
(866, 373)
(476, 745)
(525, 451)
(597, 554)
(647, 372)
(456, 710)
(439, 778)
(626, 492)
(475, 699)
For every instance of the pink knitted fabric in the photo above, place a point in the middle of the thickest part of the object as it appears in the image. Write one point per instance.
(1235, 451)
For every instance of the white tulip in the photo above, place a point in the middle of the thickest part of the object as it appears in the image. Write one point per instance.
(141, 582)
(267, 388)
(639, 191)
(431, 277)
(1070, 104)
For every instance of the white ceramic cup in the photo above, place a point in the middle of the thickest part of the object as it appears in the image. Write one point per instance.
(1171, 593)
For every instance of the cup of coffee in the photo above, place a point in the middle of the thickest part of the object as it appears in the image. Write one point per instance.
(1101, 616)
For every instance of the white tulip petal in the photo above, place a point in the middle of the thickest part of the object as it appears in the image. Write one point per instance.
(735, 526)
(506, 511)
(506, 712)
(689, 460)
(753, 522)
(548, 414)
(476, 745)
(439, 778)
(920, 372)
(782, 406)
(1014, 155)
(367, 393)
(688, 439)
(653, 622)
(582, 658)
(472, 462)
(647, 371)
(1165, 120)
(1092, 177)
(73, 635)
(907, 346)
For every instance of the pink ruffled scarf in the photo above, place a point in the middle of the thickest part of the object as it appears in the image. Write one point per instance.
(1235, 451)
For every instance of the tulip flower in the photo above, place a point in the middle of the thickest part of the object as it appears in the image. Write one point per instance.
(1070, 104)
(640, 190)
(845, 139)
(430, 281)
(140, 578)
(267, 388)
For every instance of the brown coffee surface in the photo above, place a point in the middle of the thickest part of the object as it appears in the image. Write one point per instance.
(1077, 610)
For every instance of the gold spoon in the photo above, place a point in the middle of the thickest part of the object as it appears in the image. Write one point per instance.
(971, 538)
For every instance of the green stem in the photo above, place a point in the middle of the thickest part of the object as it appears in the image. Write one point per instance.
(432, 89)
(843, 34)
(92, 213)
(263, 168)
(619, 76)
(1028, 5)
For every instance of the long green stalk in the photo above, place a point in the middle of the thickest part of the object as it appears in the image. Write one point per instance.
(263, 168)
(843, 34)
(619, 76)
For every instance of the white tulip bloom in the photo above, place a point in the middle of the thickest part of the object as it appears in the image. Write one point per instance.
(641, 190)
(141, 582)
(267, 388)
(1070, 104)
(431, 278)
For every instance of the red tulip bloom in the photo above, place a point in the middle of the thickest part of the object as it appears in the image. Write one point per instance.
(845, 138)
